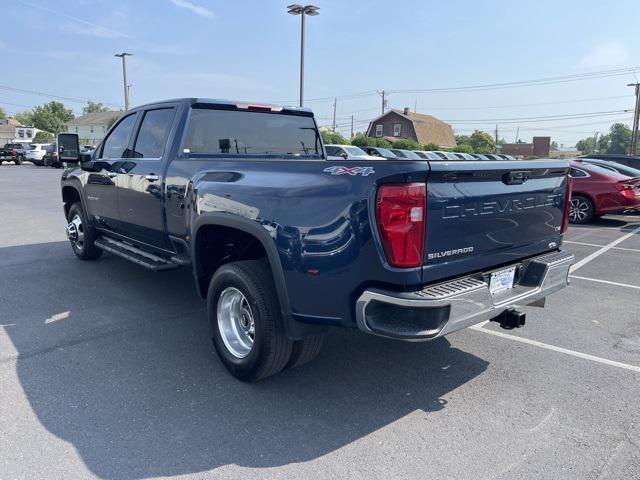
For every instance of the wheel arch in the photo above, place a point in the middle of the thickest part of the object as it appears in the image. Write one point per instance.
(70, 195)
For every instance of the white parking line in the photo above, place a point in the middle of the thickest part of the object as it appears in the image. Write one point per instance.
(553, 348)
(596, 245)
(604, 249)
(617, 284)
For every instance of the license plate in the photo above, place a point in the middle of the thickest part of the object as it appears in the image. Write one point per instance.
(502, 280)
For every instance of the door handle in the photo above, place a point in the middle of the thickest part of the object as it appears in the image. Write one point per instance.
(112, 174)
(151, 177)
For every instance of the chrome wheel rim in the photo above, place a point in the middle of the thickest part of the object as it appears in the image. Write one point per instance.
(235, 322)
(579, 210)
(75, 232)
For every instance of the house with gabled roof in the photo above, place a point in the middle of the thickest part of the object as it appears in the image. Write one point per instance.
(404, 124)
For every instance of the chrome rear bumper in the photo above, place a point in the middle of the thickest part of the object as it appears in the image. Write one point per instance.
(443, 308)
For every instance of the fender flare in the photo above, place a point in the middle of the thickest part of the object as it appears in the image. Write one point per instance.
(256, 230)
(78, 188)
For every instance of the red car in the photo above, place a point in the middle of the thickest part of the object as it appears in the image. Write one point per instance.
(598, 190)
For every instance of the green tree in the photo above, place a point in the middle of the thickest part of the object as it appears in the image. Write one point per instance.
(92, 107)
(463, 140)
(25, 118)
(362, 140)
(619, 139)
(43, 137)
(482, 142)
(333, 138)
(382, 143)
(3, 114)
(586, 145)
(431, 147)
(407, 144)
(603, 143)
(464, 148)
(52, 117)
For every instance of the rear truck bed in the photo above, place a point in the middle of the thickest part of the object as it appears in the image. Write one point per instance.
(488, 243)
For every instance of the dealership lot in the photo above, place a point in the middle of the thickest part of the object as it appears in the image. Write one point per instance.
(107, 371)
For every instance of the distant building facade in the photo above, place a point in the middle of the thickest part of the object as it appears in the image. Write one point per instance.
(395, 125)
(92, 127)
(539, 147)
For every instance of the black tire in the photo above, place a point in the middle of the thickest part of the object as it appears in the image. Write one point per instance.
(85, 250)
(270, 349)
(305, 350)
(581, 209)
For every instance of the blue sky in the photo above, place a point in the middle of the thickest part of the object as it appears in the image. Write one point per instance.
(249, 50)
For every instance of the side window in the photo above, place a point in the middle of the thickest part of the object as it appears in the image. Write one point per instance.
(574, 172)
(153, 133)
(378, 130)
(333, 151)
(115, 145)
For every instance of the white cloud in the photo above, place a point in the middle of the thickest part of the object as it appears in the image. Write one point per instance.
(608, 54)
(197, 9)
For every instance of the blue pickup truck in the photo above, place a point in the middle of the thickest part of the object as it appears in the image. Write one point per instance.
(285, 243)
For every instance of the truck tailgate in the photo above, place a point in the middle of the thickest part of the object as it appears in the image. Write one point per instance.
(484, 214)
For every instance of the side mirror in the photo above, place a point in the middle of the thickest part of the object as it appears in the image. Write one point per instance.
(344, 155)
(68, 147)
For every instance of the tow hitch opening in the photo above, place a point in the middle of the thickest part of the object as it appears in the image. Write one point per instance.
(510, 319)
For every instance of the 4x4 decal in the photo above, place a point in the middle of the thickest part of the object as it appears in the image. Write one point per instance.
(353, 171)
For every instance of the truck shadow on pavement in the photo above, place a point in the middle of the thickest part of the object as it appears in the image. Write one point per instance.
(118, 361)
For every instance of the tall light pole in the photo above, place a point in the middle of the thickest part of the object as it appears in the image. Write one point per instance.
(636, 116)
(124, 56)
(296, 9)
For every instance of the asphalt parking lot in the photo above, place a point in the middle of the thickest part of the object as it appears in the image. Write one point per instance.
(106, 370)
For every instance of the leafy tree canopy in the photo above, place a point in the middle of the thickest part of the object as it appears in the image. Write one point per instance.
(333, 137)
(362, 140)
(431, 147)
(3, 114)
(406, 144)
(382, 143)
(586, 145)
(619, 139)
(52, 117)
(25, 118)
(43, 137)
(92, 107)
(464, 148)
(482, 142)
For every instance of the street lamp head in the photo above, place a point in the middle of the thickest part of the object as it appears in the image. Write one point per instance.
(296, 9)
(123, 54)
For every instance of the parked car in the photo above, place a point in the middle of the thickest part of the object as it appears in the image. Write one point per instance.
(479, 156)
(493, 156)
(502, 156)
(628, 160)
(50, 158)
(464, 156)
(348, 152)
(446, 155)
(597, 191)
(406, 154)
(380, 152)
(13, 152)
(36, 153)
(613, 166)
(284, 242)
(426, 154)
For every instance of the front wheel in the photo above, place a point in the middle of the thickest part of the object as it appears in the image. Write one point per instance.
(243, 308)
(581, 210)
(81, 234)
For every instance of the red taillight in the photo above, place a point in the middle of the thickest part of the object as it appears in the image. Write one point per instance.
(628, 190)
(401, 214)
(567, 206)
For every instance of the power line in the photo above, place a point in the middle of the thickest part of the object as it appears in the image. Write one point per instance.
(51, 95)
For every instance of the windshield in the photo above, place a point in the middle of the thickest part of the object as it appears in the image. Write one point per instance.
(399, 153)
(355, 151)
(386, 153)
(421, 154)
(251, 133)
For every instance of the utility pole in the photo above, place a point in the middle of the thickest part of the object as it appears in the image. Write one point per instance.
(595, 142)
(415, 105)
(517, 135)
(636, 112)
(351, 126)
(335, 102)
(496, 138)
(124, 56)
(384, 100)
